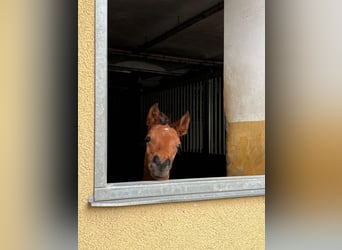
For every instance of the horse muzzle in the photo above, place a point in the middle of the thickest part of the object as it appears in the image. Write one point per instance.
(160, 169)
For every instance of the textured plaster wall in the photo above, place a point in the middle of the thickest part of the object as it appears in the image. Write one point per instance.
(219, 224)
(246, 151)
(244, 60)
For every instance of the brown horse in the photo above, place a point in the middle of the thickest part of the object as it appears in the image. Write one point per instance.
(162, 143)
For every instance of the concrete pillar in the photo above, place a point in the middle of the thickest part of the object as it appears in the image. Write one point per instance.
(244, 85)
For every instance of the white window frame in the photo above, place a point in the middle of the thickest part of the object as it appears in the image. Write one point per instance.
(148, 192)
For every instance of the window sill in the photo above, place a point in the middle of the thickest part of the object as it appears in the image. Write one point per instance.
(180, 190)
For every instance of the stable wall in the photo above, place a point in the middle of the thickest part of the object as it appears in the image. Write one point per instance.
(244, 85)
(217, 224)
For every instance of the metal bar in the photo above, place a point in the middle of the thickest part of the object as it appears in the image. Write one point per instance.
(112, 67)
(204, 14)
(216, 101)
(184, 103)
(134, 193)
(166, 58)
(187, 106)
(221, 133)
(101, 94)
(197, 106)
(201, 115)
(177, 198)
(192, 108)
(210, 116)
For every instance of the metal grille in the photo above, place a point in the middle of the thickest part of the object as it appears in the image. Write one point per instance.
(204, 100)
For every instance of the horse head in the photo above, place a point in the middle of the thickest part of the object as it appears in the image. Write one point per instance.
(162, 143)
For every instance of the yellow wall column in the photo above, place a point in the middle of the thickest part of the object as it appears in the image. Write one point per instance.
(244, 85)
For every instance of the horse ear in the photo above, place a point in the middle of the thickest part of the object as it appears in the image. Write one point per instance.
(182, 125)
(153, 116)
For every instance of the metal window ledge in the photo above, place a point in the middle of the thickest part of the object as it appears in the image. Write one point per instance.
(152, 192)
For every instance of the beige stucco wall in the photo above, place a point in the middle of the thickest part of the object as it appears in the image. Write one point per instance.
(219, 224)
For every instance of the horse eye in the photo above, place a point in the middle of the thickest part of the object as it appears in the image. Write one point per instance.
(147, 139)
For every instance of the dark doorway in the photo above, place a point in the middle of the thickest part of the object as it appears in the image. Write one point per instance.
(170, 52)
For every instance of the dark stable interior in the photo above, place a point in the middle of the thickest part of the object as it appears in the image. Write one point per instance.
(171, 54)
(127, 131)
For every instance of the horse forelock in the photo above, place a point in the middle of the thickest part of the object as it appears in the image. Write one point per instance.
(164, 119)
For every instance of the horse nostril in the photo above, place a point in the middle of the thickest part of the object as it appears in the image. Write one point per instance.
(163, 165)
(167, 162)
(156, 159)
